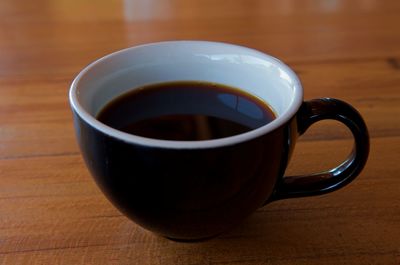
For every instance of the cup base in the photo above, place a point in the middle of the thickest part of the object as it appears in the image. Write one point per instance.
(195, 240)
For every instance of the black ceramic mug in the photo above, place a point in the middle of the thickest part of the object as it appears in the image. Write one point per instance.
(190, 190)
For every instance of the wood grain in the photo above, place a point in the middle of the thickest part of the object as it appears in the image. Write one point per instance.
(51, 212)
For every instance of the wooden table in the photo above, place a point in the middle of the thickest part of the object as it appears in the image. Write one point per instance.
(51, 212)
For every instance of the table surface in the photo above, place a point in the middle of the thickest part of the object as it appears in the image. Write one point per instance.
(51, 212)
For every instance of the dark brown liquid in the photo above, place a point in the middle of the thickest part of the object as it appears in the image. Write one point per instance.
(186, 111)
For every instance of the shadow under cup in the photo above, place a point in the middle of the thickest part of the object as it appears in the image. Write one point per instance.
(180, 189)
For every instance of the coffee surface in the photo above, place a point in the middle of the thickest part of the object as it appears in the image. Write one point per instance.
(186, 111)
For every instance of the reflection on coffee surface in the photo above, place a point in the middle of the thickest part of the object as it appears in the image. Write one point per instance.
(186, 111)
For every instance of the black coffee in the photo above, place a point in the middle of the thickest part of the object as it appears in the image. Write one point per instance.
(186, 111)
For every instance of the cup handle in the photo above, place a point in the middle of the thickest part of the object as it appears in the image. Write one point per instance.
(336, 178)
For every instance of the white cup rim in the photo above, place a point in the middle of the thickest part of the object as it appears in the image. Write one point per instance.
(202, 144)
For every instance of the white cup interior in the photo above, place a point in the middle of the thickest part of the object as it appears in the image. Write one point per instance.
(252, 71)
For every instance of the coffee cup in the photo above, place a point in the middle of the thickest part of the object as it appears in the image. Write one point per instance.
(192, 190)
